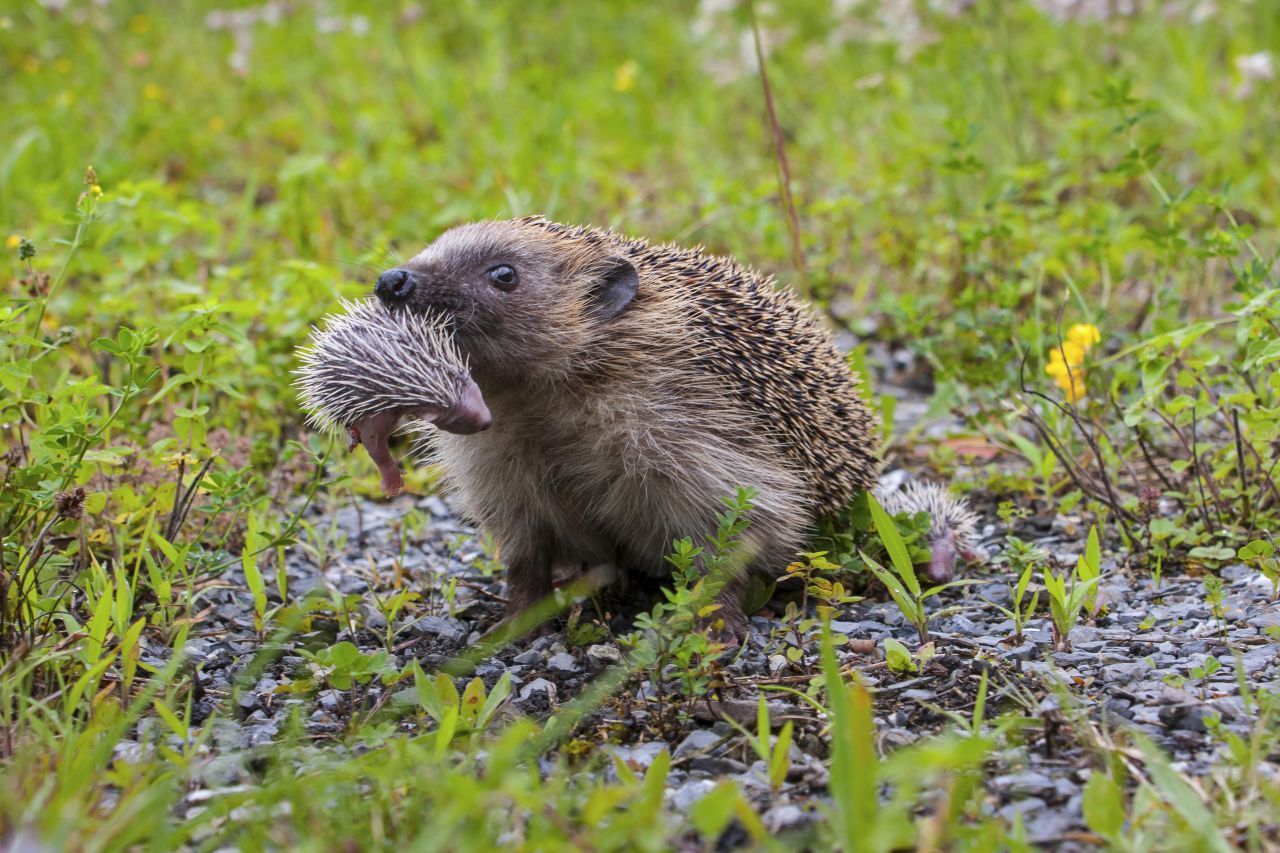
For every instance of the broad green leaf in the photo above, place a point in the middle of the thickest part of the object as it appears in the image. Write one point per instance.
(1103, 805)
(892, 539)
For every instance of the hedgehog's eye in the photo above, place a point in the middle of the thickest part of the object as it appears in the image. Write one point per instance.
(502, 277)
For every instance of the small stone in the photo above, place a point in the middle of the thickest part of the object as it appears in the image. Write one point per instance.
(449, 630)
(1023, 806)
(372, 618)
(786, 816)
(640, 756)
(437, 506)
(919, 695)
(1187, 718)
(1027, 783)
(563, 665)
(698, 740)
(537, 697)
(604, 654)
(490, 669)
(689, 793)
(1122, 673)
(528, 658)
(263, 734)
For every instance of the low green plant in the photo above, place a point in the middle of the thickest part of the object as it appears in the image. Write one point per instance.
(1067, 597)
(860, 819)
(773, 751)
(1019, 614)
(343, 665)
(900, 659)
(471, 713)
(1261, 554)
(679, 631)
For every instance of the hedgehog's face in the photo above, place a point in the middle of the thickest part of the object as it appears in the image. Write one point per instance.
(519, 299)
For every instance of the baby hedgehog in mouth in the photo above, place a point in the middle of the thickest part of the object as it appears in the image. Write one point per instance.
(371, 366)
(633, 387)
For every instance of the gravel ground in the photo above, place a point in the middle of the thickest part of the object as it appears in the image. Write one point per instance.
(1132, 668)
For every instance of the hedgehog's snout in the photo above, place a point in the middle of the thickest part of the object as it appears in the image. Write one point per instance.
(395, 286)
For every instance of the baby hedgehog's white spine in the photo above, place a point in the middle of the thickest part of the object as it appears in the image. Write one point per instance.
(946, 510)
(369, 360)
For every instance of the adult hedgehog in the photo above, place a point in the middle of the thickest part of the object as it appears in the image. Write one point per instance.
(633, 387)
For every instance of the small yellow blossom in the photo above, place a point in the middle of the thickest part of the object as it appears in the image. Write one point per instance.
(152, 92)
(1056, 368)
(1066, 360)
(624, 80)
(217, 124)
(1072, 386)
(1084, 334)
(1069, 352)
(13, 242)
(140, 24)
(95, 190)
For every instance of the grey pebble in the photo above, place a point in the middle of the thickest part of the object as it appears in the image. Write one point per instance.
(563, 665)
(537, 697)
(450, 630)
(698, 740)
(528, 658)
(604, 654)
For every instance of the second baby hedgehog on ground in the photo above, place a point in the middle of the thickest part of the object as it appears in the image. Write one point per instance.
(633, 387)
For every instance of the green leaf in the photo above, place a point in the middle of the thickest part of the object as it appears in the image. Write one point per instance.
(898, 656)
(712, 813)
(501, 690)
(780, 763)
(1217, 553)
(472, 700)
(893, 543)
(1257, 549)
(1104, 805)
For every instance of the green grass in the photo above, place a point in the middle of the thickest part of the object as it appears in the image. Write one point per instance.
(973, 195)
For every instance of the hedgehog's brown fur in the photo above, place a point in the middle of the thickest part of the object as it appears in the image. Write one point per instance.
(617, 431)
(771, 354)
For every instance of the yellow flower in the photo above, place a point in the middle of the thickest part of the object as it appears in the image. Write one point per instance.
(624, 80)
(13, 242)
(1084, 334)
(1072, 385)
(95, 190)
(217, 124)
(152, 92)
(140, 24)
(1069, 351)
(1056, 367)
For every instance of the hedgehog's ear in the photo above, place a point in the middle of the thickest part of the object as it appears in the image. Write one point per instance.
(614, 288)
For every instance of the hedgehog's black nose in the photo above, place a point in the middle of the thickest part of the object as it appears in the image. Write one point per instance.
(394, 286)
